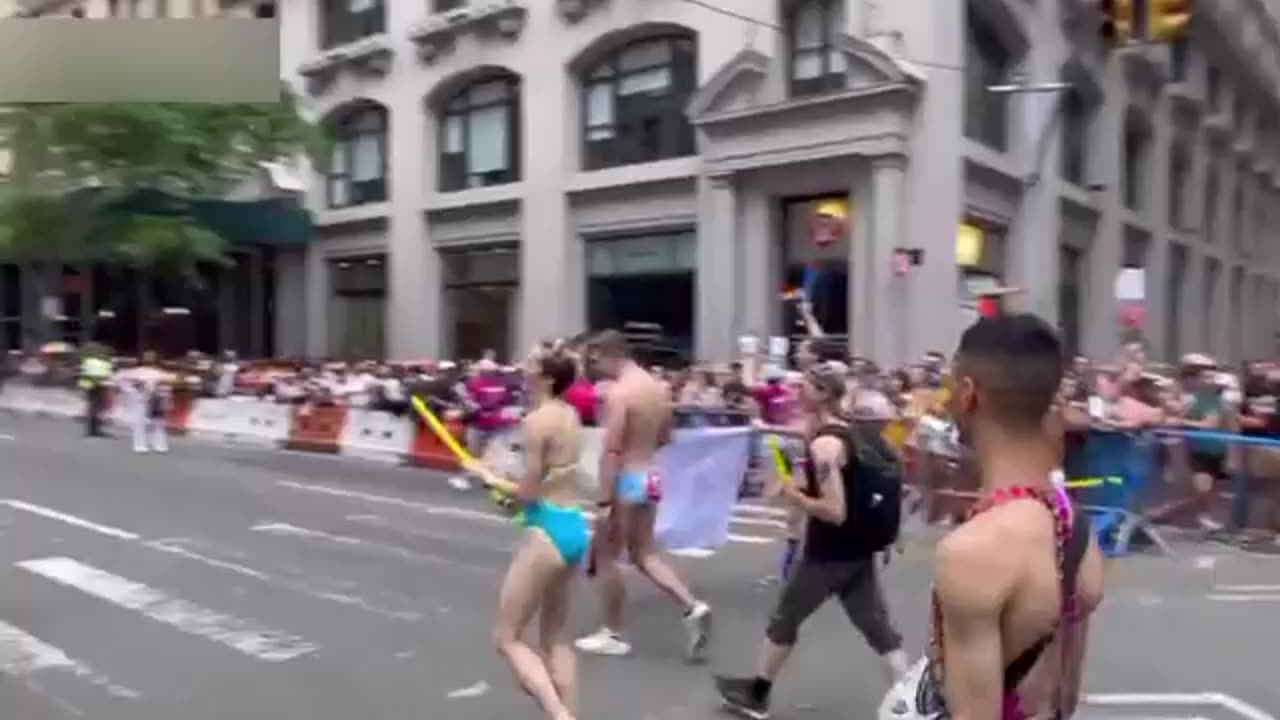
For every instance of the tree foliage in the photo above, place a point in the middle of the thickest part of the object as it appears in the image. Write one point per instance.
(186, 150)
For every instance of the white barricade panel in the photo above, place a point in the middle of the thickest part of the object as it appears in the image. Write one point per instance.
(373, 435)
(241, 420)
(59, 402)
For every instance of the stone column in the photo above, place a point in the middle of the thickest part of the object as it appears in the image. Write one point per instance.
(1100, 338)
(884, 325)
(757, 289)
(317, 292)
(413, 265)
(715, 279)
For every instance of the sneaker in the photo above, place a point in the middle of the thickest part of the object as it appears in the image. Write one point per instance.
(738, 697)
(603, 642)
(697, 623)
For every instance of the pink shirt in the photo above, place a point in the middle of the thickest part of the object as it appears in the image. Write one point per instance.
(582, 396)
(775, 403)
(489, 395)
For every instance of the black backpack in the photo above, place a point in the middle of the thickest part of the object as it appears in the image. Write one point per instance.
(875, 502)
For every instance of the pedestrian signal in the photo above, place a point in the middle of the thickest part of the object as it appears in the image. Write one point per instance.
(1169, 19)
(1117, 21)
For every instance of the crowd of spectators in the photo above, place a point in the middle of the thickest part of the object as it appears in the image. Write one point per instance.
(1130, 394)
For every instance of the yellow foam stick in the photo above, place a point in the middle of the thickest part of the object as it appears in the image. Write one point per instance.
(441, 431)
(779, 462)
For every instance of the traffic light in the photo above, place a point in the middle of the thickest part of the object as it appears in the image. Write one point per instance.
(1169, 19)
(1117, 21)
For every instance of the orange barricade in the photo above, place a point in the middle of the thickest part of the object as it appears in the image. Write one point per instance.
(429, 452)
(179, 410)
(316, 429)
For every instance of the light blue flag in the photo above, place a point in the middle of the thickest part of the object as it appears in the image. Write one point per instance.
(702, 470)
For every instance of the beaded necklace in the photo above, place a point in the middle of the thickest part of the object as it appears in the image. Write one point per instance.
(1012, 709)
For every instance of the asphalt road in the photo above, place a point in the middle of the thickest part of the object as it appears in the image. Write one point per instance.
(219, 582)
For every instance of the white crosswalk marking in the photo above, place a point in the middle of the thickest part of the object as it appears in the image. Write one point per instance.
(69, 519)
(1245, 593)
(240, 635)
(22, 655)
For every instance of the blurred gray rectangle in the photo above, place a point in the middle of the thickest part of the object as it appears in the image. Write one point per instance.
(216, 60)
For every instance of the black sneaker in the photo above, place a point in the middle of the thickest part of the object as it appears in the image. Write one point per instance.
(739, 697)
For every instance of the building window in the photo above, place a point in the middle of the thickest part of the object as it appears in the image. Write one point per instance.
(344, 21)
(440, 6)
(357, 172)
(265, 11)
(358, 307)
(1238, 213)
(1211, 193)
(633, 103)
(480, 135)
(1211, 269)
(481, 287)
(1179, 168)
(817, 62)
(1213, 82)
(648, 281)
(1176, 281)
(1179, 52)
(987, 62)
(1135, 151)
(1076, 120)
(816, 248)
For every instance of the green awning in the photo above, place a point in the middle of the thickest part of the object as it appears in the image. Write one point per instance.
(274, 222)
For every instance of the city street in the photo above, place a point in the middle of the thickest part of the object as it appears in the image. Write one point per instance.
(219, 582)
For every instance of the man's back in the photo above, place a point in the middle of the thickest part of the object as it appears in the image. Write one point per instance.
(1019, 573)
(648, 416)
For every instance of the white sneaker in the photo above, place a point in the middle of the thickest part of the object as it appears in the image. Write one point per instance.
(603, 642)
(698, 624)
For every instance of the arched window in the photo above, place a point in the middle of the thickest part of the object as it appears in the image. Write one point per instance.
(345, 21)
(357, 172)
(816, 62)
(480, 134)
(633, 103)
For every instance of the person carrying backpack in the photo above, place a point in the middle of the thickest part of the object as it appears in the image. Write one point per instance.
(850, 492)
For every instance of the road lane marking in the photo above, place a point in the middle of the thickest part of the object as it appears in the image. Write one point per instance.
(286, 530)
(69, 519)
(174, 548)
(23, 655)
(430, 509)
(378, 521)
(1209, 699)
(240, 635)
(460, 512)
(1248, 588)
(1244, 597)
(4, 436)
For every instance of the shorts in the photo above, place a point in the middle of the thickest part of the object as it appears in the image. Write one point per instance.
(565, 527)
(853, 583)
(1208, 463)
(637, 487)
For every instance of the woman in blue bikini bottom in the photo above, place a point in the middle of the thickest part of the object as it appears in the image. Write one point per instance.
(555, 542)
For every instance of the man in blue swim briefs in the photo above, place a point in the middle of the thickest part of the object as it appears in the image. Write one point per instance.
(637, 422)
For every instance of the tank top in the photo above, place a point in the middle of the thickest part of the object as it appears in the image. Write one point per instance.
(826, 542)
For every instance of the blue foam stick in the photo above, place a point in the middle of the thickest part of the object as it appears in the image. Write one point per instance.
(809, 281)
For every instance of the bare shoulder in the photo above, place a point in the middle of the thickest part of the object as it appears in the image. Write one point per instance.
(971, 573)
(535, 423)
(827, 448)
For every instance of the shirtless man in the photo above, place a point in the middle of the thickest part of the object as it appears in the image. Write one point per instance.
(637, 422)
(1014, 584)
